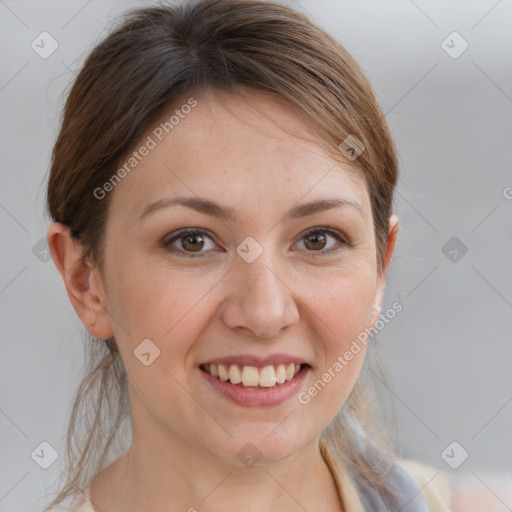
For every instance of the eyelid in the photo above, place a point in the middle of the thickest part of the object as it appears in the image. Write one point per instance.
(180, 233)
(325, 229)
(343, 241)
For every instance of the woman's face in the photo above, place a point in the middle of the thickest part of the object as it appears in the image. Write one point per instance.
(255, 278)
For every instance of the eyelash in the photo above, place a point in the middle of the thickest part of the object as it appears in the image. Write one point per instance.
(198, 231)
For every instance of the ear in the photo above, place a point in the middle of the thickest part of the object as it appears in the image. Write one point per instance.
(380, 287)
(82, 280)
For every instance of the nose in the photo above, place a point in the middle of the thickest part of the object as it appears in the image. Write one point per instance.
(260, 301)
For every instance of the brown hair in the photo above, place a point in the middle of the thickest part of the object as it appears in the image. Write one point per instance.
(153, 57)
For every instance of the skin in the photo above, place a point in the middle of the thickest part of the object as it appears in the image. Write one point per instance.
(292, 299)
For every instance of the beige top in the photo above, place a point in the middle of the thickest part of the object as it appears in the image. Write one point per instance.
(433, 483)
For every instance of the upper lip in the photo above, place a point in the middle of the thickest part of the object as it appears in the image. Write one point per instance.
(258, 361)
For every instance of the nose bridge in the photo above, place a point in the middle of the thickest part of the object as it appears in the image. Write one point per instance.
(260, 300)
(263, 277)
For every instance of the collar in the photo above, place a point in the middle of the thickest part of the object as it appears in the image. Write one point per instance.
(346, 488)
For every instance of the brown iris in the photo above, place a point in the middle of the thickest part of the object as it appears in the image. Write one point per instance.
(193, 243)
(318, 241)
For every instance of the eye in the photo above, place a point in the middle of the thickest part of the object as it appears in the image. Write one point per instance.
(190, 241)
(317, 239)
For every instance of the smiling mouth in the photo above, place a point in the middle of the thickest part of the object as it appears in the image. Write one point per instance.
(253, 377)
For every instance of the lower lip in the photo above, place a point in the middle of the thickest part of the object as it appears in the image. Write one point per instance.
(257, 396)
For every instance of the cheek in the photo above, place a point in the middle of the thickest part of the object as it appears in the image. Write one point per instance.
(340, 305)
(341, 314)
(161, 302)
(341, 299)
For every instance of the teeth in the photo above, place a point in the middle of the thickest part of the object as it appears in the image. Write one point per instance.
(268, 377)
(223, 374)
(251, 376)
(281, 374)
(235, 375)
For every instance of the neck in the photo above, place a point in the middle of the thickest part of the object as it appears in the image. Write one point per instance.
(169, 476)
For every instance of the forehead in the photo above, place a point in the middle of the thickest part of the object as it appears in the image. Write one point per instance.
(238, 146)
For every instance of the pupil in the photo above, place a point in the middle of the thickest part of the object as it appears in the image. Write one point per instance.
(316, 239)
(193, 241)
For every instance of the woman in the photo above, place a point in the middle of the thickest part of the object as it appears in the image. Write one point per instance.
(221, 191)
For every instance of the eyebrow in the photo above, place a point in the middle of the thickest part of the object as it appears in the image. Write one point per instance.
(226, 213)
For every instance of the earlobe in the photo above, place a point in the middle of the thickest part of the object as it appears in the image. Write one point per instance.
(79, 276)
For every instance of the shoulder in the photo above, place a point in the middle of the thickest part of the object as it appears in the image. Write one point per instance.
(474, 492)
(434, 484)
(80, 502)
(83, 502)
(465, 493)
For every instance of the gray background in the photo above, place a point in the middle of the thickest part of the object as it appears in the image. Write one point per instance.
(447, 355)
